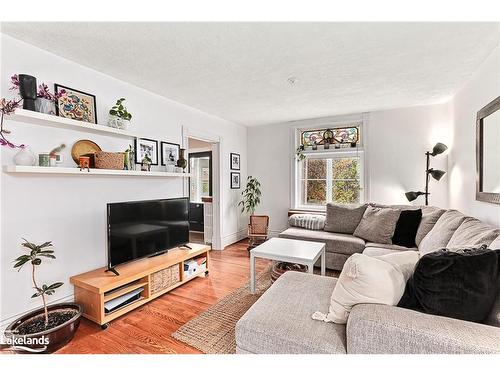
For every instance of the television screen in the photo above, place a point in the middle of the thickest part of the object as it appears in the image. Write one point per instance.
(140, 229)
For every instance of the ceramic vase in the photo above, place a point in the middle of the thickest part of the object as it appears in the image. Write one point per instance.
(27, 91)
(118, 123)
(182, 162)
(43, 105)
(24, 157)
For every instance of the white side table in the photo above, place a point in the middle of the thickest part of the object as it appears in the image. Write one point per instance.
(288, 250)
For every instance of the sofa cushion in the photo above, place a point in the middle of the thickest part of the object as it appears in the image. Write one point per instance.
(390, 246)
(439, 236)
(367, 279)
(280, 321)
(377, 251)
(430, 215)
(406, 228)
(343, 218)
(335, 242)
(462, 284)
(307, 221)
(380, 329)
(495, 245)
(494, 315)
(378, 224)
(473, 232)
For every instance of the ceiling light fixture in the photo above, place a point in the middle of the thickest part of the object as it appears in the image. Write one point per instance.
(292, 80)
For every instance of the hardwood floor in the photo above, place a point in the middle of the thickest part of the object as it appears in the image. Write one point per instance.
(148, 329)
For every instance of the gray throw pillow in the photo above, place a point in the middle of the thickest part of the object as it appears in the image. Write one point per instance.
(378, 224)
(307, 221)
(343, 218)
(430, 216)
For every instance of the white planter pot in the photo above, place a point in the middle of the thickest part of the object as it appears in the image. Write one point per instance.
(118, 123)
(43, 105)
(24, 157)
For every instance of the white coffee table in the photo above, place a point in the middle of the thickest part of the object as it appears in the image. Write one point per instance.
(288, 250)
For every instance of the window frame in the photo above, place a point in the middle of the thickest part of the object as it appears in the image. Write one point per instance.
(332, 153)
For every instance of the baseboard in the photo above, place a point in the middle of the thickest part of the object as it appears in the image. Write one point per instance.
(229, 239)
(6, 321)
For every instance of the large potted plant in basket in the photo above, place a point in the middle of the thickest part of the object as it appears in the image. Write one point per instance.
(50, 327)
(257, 229)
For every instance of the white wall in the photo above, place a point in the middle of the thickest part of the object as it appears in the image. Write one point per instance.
(70, 211)
(482, 88)
(395, 144)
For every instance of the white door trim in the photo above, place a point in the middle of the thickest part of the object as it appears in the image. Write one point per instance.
(217, 167)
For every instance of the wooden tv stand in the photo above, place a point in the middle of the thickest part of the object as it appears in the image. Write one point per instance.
(157, 276)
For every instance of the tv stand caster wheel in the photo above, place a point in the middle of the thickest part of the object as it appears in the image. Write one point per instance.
(206, 273)
(104, 326)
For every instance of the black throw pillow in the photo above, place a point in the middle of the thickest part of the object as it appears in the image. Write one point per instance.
(406, 228)
(461, 284)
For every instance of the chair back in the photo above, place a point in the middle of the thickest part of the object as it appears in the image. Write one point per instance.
(259, 224)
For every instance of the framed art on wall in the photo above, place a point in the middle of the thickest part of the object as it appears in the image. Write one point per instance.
(235, 180)
(169, 153)
(75, 104)
(235, 161)
(146, 147)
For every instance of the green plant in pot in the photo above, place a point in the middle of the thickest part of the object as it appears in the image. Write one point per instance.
(146, 163)
(251, 196)
(51, 326)
(119, 117)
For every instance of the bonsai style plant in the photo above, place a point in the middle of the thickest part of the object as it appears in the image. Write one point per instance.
(55, 324)
(251, 196)
(119, 117)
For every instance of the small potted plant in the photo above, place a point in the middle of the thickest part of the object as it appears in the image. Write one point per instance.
(48, 328)
(146, 163)
(119, 117)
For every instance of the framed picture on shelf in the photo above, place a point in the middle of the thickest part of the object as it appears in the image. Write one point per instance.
(235, 161)
(235, 180)
(146, 147)
(75, 104)
(169, 153)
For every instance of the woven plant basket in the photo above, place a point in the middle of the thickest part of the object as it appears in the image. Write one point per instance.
(109, 160)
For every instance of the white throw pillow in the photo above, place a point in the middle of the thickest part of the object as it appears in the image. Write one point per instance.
(367, 279)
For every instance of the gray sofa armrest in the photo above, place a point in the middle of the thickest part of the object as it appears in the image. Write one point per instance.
(378, 329)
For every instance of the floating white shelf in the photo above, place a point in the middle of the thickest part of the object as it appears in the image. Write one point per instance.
(92, 172)
(42, 119)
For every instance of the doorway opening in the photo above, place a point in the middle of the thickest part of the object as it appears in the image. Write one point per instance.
(200, 167)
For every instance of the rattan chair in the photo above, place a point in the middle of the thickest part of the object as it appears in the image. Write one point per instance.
(257, 230)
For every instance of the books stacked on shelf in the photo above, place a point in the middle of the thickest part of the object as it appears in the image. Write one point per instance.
(195, 265)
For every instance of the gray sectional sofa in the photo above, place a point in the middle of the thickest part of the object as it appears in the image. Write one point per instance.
(280, 321)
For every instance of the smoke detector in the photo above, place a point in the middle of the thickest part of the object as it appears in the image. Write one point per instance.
(292, 80)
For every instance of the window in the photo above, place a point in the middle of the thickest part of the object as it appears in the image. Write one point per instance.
(332, 173)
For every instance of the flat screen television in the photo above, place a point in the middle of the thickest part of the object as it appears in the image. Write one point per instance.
(146, 228)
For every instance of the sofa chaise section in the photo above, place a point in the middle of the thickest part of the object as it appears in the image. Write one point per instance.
(280, 321)
(381, 329)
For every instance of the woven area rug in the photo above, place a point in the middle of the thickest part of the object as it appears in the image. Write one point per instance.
(212, 332)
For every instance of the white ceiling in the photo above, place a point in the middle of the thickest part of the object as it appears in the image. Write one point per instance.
(239, 71)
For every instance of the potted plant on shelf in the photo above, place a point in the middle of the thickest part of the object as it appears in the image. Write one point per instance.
(48, 328)
(119, 117)
(146, 163)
